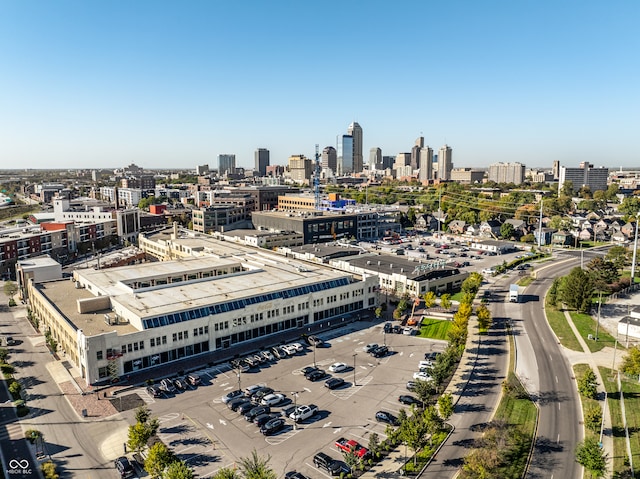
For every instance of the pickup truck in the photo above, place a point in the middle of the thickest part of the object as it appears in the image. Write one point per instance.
(349, 445)
(304, 412)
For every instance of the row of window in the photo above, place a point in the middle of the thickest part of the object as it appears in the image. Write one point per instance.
(241, 303)
(227, 341)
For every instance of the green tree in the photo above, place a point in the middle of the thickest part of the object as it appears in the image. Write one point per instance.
(49, 470)
(590, 455)
(567, 189)
(142, 414)
(445, 301)
(158, 459)
(484, 317)
(374, 444)
(618, 255)
(425, 390)
(588, 384)
(630, 206)
(507, 230)
(4, 355)
(15, 388)
(552, 294)
(351, 459)
(414, 433)
(378, 312)
(631, 362)
(10, 288)
(577, 289)
(178, 470)
(429, 299)
(227, 473)
(593, 418)
(445, 406)
(602, 273)
(433, 421)
(256, 467)
(140, 433)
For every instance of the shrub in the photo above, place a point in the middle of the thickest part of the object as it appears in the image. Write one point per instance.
(14, 389)
(12, 302)
(49, 470)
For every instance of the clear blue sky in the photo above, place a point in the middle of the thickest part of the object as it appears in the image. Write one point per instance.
(174, 84)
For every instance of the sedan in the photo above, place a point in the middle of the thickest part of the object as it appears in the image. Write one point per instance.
(262, 419)
(338, 367)
(272, 426)
(421, 376)
(308, 370)
(272, 399)
(167, 386)
(316, 375)
(408, 400)
(334, 383)
(411, 385)
(383, 416)
(232, 395)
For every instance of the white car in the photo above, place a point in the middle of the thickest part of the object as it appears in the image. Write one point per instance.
(338, 367)
(299, 348)
(488, 271)
(421, 376)
(425, 364)
(408, 331)
(303, 412)
(272, 399)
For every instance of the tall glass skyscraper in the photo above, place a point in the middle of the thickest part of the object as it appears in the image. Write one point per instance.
(345, 155)
(355, 130)
(226, 164)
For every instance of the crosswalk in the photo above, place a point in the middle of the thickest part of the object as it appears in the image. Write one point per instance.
(11, 432)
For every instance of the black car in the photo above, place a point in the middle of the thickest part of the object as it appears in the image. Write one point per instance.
(431, 356)
(388, 327)
(262, 419)
(317, 375)
(409, 400)
(380, 352)
(273, 426)
(260, 393)
(236, 403)
(180, 384)
(155, 392)
(124, 467)
(383, 416)
(230, 396)
(334, 383)
(397, 329)
(286, 411)
(329, 464)
(256, 411)
(295, 475)
(244, 408)
(308, 370)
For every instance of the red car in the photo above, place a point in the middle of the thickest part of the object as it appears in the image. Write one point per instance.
(349, 445)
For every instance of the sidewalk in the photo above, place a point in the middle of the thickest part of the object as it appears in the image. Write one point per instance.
(592, 360)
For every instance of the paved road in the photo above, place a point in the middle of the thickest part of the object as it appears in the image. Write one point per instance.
(482, 394)
(548, 376)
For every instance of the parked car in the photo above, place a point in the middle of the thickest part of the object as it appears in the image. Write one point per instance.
(388, 327)
(316, 375)
(295, 475)
(329, 464)
(244, 408)
(272, 399)
(193, 379)
(408, 400)
(370, 347)
(232, 395)
(167, 386)
(155, 392)
(422, 376)
(262, 419)
(427, 363)
(124, 467)
(272, 426)
(234, 404)
(314, 341)
(338, 367)
(432, 356)
(386, 417)
(304, 412)
(251, 390)
(308, 370)
(180, 384)
(352, 446)
(380, 352)
(10, 341)
(268, 355)
(397, 329)
(256, 411)
(260, 393)
(334, 383)
(407, 331)
(411, 385)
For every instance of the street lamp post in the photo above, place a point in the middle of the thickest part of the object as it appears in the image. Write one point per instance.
(238, 374)
(314, 354)
(295, 407)
(635, 252)
(354, 369)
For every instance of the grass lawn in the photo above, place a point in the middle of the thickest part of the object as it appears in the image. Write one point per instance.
(587, 325)
(632, 407)
(561, 328)
(579, 370)
(458, 296)
(591, 244)
(434, 328)
(526, 281)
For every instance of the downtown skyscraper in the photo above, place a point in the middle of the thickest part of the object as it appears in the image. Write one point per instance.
(261, 157)
(355, 130)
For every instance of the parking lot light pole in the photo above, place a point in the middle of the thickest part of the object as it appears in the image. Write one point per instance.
(295, 407)
(314, 354)
(354, 369)
(238, 373)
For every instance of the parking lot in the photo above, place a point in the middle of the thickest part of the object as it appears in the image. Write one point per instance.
(204, 432)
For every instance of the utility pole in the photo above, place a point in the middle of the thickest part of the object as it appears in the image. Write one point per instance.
(439, 209)
(540, 226)
(598, 323)
(635, 252)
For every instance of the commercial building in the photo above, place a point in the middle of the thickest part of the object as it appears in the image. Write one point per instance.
(507, 173)
(315, 226)
(300, 169)
(114, 322)
(375, 158)
(344, 153)
(355, 131)
(586, 175)
(467, 176)
(226, 164)
(445, 163)
(261, 157)
(425, 163)
(221, 218)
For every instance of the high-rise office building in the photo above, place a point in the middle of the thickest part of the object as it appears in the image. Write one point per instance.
(261, 156)
(445, 163)
(402, 160)
(387, 162)
(345, 155)
(507, 173)
(355, 131)
(226, 164)
(300, 168)
(329, 158)
(425, 162)
(415, 153)
(556, 169)
(375, 158)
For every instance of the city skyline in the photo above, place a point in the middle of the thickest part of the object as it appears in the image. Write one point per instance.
(164, 85)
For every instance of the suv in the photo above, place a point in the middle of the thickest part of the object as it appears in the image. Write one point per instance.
(154, 391)
(10, 341)
(124, 467)
(326, 462)
(193, 379)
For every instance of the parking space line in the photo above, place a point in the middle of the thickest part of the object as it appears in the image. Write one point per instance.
(319, 470)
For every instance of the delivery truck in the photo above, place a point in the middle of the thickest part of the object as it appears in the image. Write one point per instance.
(514, 293)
